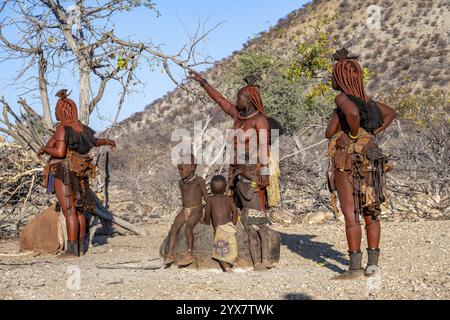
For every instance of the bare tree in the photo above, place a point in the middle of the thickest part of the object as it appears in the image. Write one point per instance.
(78, 37)
(51, 38)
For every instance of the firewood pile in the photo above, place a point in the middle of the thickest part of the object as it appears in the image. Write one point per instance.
(21, 193)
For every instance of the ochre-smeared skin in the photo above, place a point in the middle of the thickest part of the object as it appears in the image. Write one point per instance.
(75, 220)
(343, 186)
(257, 122)
(192, 194)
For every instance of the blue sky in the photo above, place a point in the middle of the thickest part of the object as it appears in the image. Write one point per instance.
(242, 20)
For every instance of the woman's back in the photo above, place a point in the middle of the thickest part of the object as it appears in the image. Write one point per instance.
(369, 114)
(80, 142)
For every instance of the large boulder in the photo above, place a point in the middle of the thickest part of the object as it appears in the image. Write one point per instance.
(204, 238)
(43, 233)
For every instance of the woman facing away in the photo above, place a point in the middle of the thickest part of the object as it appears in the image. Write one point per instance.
(357, 163)
(69, 168)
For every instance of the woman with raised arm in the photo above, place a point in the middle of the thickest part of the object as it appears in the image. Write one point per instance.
(357, 163)
(69, 168)
(251, 134)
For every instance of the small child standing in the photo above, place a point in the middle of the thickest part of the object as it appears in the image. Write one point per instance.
(222, 210)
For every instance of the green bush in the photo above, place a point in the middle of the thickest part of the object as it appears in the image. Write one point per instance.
(425, 108)
(295, 86)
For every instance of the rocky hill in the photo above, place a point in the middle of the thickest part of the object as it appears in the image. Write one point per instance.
(411, 46)
(410, 50)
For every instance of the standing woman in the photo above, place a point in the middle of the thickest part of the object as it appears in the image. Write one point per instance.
(69, 168)
(357, 163)
(249, 115)
(251, 120)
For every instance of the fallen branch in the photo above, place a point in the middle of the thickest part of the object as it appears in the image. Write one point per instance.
(22, 254)
(20, 175)
(102, 213)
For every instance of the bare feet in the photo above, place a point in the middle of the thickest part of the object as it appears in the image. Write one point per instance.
(169, 259)
(269, 265)
(264, 265)
(187, 260)
(65, 256)
(261, 267)
(71, 251)
(228, 270)
(371, 271)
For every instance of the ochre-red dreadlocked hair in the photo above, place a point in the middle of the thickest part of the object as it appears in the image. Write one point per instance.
(255, 97)
(66, 111)
(348, 75)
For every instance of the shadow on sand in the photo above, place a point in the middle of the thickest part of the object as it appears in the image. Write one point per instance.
(319, 252)
(297, 296)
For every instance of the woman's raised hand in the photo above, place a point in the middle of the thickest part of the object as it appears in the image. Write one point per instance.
(264, 181)
(111, 143)
(194, 75)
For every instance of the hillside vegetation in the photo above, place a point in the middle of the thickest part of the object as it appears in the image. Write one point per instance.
(405, 66)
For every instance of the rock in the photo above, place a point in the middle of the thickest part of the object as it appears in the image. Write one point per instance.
(204, 238)
(330, 215)
(317, 217)
(41, 233)
(282, 217)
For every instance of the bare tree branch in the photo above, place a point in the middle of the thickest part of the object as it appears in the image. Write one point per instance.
(80, 39)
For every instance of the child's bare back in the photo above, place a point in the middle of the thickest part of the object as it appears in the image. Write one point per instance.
(223, 213)
(221, 209)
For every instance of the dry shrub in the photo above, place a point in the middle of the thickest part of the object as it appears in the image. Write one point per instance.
(146, 180)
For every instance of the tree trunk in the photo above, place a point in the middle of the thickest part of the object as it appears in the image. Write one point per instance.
(43, 91)
(102, 213)
(85, 84)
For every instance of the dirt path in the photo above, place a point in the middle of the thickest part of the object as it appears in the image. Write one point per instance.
(415, 260)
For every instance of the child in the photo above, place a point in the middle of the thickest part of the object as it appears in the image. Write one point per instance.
(193, 189)
(224, 216)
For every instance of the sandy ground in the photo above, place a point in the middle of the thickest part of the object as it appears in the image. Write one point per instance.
(415, 261)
